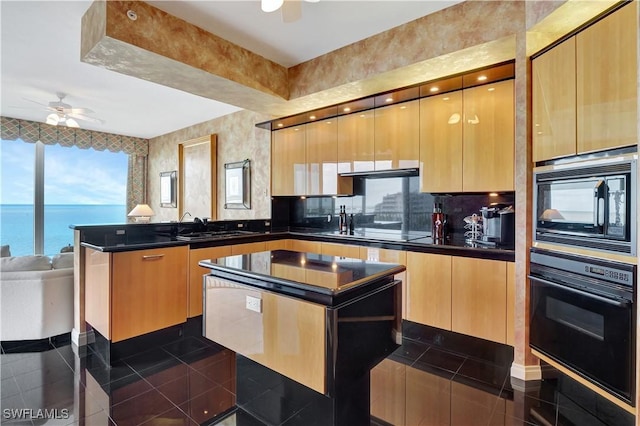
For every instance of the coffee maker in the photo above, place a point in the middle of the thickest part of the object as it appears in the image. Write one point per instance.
(498, 226)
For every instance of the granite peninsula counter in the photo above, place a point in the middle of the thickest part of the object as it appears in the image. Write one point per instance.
(314, 320)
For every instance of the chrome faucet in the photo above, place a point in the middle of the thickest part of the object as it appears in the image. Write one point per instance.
(182, 218)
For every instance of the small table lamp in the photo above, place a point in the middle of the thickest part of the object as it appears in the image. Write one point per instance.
(142, 213)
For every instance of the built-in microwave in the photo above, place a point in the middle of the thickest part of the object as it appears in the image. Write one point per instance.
(590, 204)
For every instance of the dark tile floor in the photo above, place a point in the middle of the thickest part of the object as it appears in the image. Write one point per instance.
(192, 381)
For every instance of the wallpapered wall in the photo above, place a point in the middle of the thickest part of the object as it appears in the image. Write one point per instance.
(238, 139)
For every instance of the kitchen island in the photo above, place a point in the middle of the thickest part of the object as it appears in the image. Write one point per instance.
(316, 322)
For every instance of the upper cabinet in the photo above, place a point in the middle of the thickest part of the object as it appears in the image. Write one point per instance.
(554, 102)
(585, 90)
(355, 142)
(607, 80)
(488, 136)
(322, 157)
(467, 140)
(441, 143)
(288, 162)
(304, 161)
(397, 136)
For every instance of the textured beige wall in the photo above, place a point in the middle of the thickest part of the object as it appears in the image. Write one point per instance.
(238, 139)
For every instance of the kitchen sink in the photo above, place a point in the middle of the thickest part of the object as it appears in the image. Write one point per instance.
(211, 235)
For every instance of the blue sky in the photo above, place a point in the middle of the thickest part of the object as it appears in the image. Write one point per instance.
(72, 175)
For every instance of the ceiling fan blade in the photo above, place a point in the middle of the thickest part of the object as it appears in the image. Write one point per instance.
(291, 10)
(85, 118)
(36, 102)
(78, 111)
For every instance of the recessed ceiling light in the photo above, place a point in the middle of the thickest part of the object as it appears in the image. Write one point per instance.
(491, 89)
(347, 109)
(362, 116)
(445, 99)
(493, 194)
(312, 117)
(403, 107)
(280, 124)
(482, 78)
(434, 89)
(389, 100)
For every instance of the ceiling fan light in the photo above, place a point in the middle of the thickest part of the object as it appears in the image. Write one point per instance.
(72, 123)
(53, 119)
(270, 5)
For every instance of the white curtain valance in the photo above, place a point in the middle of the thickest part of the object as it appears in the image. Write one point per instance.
(32, 131)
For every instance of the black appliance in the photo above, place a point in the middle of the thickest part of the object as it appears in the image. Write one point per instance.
(588, 204)
(498, 226)
(583, 316)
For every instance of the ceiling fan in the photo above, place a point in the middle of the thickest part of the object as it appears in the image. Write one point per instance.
(291, 10)
(62, 113)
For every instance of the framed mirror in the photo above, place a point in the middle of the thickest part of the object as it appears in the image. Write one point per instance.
(168, 189)
(237, 184)
(197, 181)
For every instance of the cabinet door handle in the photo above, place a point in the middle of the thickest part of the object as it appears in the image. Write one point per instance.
(152, 256)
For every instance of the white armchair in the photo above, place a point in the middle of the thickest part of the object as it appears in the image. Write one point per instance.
(35, 304)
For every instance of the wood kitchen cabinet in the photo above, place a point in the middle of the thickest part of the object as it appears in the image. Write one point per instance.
(356, 142)
(196, 272)
(488, 138)
(276, 245)
(303, 246)
(288, 162)
(304, 161)
(585, 89)
(398, 257)
(429, 289)
(479, 298)
(340, 250)
(148, 291)
(287, 335)
(511, 303)
(397, 136)
(554, 102)
(467, 140)
(322, 160)
(607, 81)
(441, 143)
(248, 248)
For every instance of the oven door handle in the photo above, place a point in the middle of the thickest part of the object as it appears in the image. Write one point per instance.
(617, 303)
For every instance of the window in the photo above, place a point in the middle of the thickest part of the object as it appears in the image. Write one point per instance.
(17, 164)
(78, 186)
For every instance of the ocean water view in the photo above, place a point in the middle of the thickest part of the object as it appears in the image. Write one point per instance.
(16, 224)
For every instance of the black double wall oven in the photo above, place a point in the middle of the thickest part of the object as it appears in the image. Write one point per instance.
(583, 316)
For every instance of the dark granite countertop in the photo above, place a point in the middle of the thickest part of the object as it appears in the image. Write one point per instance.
(384, 239)
(320, 278)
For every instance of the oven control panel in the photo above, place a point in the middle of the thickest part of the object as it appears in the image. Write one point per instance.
(606, 270)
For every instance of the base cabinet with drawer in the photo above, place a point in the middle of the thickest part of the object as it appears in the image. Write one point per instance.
(132, 293)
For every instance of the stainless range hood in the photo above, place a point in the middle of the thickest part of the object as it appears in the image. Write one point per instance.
(378, 174)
